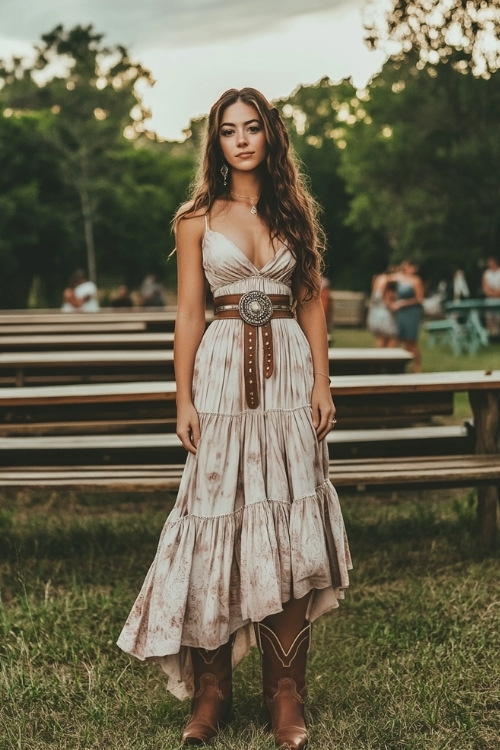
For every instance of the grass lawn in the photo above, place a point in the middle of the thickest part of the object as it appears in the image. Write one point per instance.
(410, 661)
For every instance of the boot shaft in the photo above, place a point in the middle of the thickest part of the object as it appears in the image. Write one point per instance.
(214, 668)
(279, 665)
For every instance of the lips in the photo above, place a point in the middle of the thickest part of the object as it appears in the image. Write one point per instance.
(244, 154)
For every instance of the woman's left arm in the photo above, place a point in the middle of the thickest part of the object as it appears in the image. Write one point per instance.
(311, 318)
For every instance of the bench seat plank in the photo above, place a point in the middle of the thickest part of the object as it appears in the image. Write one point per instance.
(76, 328)
(450, 382)
(379, 474)
(50, 343)
(168, 440)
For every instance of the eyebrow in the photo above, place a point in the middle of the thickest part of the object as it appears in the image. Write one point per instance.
(226, 124)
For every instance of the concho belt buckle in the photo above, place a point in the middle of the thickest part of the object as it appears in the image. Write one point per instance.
(255, 308)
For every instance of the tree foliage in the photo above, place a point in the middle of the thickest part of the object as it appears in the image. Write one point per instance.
(463, 32)
(422, 164)
(406, 167)
(314, 116)
(78, 101)
(90, 96)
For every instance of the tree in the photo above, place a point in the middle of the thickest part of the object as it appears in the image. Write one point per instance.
(315, 118)
(136, 213)
(37, 217)
(422, 163)
(91, 103)
(464, 32)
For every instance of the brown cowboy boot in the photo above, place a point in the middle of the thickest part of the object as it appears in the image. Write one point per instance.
(284, 685)
(213, 694)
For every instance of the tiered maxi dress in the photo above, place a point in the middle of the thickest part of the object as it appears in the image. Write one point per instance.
(256, 521)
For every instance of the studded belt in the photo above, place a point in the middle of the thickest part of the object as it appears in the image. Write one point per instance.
(256, 309)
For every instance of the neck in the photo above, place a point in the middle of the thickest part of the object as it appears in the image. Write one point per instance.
(246, 185)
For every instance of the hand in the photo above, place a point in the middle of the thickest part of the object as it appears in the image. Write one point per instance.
(323, 410)
(188, 427)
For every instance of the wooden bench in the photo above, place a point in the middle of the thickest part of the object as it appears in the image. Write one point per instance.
(80, 326)
(374, 474)
(74, 341)
(110, 365)
(154, 318)
(105, 448)
(480, 466)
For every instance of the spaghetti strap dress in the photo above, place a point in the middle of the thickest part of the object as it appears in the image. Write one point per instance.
(257, 521)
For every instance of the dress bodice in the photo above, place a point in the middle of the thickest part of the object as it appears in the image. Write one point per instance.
(230, 271)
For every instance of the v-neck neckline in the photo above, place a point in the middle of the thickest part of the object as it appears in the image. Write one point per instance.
(244, 255)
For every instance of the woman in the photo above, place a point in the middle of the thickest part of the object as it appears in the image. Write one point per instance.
(490, 284)
(256, 537)
(407, 309)
(380, 320)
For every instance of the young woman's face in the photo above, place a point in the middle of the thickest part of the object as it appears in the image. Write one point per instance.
(241, 137)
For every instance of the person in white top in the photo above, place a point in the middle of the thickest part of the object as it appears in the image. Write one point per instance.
(80, 295)
(460, 286)
(491, 289)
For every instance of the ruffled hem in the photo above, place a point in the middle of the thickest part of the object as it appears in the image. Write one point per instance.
(215, 576)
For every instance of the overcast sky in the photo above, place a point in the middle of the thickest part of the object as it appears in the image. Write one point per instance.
(196, 49)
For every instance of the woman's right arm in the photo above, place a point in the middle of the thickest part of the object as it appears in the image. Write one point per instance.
(189, 324)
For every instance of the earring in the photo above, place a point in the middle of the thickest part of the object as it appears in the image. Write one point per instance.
(224, 170)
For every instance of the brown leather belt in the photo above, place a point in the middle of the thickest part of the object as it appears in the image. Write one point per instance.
(256, 309)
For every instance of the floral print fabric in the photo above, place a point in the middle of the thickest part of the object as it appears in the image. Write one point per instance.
(256, 520)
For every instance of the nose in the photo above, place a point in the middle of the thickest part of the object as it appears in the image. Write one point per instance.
(242, 137)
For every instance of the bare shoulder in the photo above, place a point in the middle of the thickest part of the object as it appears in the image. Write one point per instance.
(190, 226)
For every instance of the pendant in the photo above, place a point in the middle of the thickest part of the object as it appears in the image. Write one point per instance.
(253, 210)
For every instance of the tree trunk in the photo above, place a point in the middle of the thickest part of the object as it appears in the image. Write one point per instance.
(89, 233)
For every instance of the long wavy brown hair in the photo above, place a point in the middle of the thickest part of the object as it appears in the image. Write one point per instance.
(285, 203)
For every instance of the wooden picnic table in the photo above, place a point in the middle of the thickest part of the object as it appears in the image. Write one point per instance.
(22, 368)
(472, 381)
(73, 327)
(73, 341)
(154, 318)
(381, 396)
(462, 328)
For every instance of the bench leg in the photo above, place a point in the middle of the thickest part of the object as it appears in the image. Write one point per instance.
(486, 408)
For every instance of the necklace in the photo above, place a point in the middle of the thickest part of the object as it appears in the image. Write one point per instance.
(254, 199)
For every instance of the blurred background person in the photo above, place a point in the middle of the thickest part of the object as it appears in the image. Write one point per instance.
(85, 293)
(407, 308)
(80, 295)
(490, 284)
(152, 293)
(460, 286)
(69, 303)
(380, 320)
(122, 297)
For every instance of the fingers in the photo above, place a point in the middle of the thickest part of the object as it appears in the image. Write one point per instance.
(323, 428)
(195, 434)
(316, 417)
(189, 437)
(323, 420)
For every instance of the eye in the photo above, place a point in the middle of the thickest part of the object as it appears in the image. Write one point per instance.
(226, 131)
(254, 128)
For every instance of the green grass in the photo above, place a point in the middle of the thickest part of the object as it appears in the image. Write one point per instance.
(434, 359)
(410, 660)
